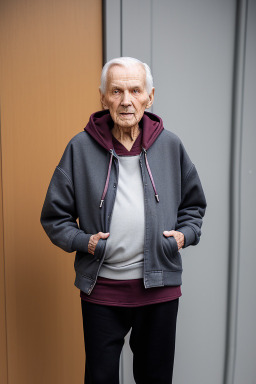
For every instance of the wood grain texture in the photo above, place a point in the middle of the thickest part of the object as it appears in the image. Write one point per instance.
(50, 71)
(3, 334)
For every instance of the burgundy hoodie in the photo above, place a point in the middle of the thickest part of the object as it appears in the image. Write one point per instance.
(101, 124)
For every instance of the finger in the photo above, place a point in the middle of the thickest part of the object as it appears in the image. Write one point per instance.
(168, 233)
(102, 235)
(94, 239)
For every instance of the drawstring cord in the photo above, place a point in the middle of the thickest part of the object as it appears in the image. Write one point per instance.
(150, 175)
(108, 177)
(107, 180)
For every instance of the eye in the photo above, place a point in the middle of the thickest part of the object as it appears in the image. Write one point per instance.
(136, 90)
(116, 91)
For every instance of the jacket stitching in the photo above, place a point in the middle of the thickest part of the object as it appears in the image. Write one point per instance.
(83, 275)
(72, 236)
(64, 173)
(188, 174)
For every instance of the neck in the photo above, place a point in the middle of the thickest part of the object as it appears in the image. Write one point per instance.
(126, 136)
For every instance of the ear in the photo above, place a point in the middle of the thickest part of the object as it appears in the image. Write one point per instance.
(151, 98)
(103, 100)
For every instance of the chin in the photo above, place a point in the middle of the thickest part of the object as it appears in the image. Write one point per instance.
(127, 123)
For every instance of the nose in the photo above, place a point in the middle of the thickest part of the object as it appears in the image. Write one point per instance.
(126, 99)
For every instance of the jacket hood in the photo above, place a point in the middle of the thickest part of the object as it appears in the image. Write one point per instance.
(100, 125)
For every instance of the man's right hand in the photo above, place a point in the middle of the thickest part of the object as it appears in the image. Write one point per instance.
(94, 239)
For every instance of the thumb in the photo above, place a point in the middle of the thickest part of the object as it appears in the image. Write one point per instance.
(168, 233)
(103, 235)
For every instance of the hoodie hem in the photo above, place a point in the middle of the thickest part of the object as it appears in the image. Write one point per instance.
(162, 278)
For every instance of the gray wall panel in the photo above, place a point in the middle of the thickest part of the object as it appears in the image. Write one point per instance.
(245, 371)
(137, 29)
(193, 65)
(190, 48)
(112, 29)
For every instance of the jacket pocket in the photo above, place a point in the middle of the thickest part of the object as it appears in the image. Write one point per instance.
(170, 248)
(99, 250)
(86, 263)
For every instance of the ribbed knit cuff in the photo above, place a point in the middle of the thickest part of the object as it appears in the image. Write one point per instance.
(189, 236)
(80, 242)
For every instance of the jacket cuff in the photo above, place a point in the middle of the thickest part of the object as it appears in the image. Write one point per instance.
(80, 242)
(189, 236)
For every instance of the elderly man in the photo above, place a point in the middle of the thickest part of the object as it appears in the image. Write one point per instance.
(139, 200)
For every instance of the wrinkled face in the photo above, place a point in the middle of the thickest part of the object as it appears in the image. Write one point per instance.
(126, 96)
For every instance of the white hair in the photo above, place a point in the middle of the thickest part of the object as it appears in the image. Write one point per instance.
(125, 62)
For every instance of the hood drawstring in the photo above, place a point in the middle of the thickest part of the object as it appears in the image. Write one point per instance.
(107, 180)
(108, 177)
(150, 175)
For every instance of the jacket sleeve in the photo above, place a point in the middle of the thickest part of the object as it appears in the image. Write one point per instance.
(192, 206)
(59, 216)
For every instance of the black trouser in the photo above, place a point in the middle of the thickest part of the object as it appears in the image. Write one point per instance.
(152, 341)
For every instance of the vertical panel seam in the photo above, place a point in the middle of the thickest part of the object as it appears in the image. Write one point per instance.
(122, 369)
(104, 32)
(121, 28)
(4, 282)
(151, 43)
(235, 189)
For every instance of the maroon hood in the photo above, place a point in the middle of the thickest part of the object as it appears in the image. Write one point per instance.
(101, 124)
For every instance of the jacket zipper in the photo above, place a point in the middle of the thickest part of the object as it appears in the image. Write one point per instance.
(109, 221)
(145, 209)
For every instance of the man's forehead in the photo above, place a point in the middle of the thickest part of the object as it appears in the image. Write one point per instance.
(134, 72)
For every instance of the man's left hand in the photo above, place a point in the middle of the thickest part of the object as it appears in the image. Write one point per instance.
(178, 236)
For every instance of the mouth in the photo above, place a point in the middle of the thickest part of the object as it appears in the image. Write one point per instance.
(126, 114)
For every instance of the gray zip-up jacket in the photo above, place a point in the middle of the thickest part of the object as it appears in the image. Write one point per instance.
(84, 186)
